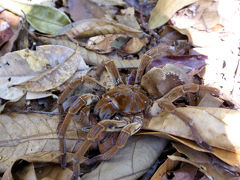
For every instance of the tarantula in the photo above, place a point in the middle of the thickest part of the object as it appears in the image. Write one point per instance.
(121, 109)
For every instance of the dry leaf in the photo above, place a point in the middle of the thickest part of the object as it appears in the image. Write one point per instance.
(217, 126)
(94, 27)
(23, 134)
(166, 166)
(84, 9)
(102, 43)
(133, 46)
(130, 162)
(202, 159)
(91, 57)
(5, 32)
(14, 21)
(128, 18)
(56, 76)
(164, 10)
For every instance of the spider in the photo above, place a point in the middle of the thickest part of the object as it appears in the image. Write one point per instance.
(121, 109)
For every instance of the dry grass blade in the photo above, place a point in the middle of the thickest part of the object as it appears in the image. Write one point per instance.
(96, 27)
(22, 134)
(54, 77)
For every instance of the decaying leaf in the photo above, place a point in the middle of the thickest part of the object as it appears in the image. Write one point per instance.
(164, 10)
(84, 9)
(23, 134)
(131, 161)
(133, 46)
(160, 80)
(94, 27)
(5, 32)
(14, 21)
(215, 168)
(43, 18)
(91, 57)
(212, 124)
(166, 166)
(101, 44)
(56, 76)
(128, 18)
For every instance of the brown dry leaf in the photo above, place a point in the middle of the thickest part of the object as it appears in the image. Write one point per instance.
(131, 161)
(16, 69)
(133, 46)
(101, 44)
(94, 27)
(216, 169)
(160, 80)
(166, 166)
(84, 9)
(91, 57)
(56, 76)
(14, 21)
(164, 10)
(128, 18)
(5, 32)
(217, 126)
(23, 134)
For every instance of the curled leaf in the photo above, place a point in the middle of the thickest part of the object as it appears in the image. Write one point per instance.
(164, 10)
(94, 27)
(54, 77)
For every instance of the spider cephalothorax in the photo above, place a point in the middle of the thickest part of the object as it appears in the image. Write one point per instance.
(122, 109)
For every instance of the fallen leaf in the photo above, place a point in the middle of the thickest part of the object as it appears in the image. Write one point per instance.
(5, 32)
(91, 57)
(102, 43)
(54, 77)
(14, 21)
(133, 46)
(130, 162)
(128, 18)
(84, 9)
(23, 134)
(94, 27)
(212, 123)
(43, 18)
(164, 10)
(166, 166)
(202, 159)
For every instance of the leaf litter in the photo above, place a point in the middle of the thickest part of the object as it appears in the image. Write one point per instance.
(32, 80)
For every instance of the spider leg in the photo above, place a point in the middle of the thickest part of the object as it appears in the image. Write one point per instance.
(104, 125)
(69, 91)
(112, 71)
(165, 103)
(79, 103)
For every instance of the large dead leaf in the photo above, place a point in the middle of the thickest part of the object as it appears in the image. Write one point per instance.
(164, 10)
(56, 76)
(131, 161)
(217, 126)
(91, 57)
(94, 27)
(23, 134)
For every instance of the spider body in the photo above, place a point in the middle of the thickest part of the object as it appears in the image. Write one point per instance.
(122, 110)
(122, 100)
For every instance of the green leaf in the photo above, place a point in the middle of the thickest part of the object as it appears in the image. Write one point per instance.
(43, 18)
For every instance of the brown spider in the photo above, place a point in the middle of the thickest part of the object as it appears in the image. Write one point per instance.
(121, 109)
